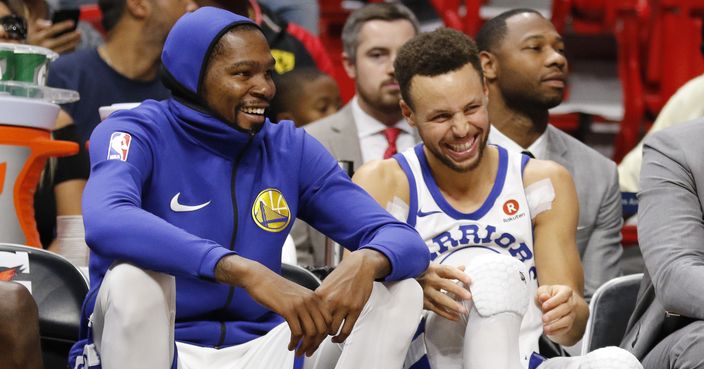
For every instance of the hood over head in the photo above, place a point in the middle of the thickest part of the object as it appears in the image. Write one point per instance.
(188, 47)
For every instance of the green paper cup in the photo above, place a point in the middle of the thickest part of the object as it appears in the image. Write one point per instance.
(25, 63)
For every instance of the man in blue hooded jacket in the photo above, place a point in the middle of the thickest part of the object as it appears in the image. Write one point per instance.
(187, 207)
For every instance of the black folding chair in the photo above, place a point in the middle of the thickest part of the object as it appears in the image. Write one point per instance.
(58, 288)
(610, 308)
(300, 275)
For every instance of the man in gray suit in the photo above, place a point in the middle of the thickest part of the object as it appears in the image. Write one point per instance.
(666, 330)
(525, 67)
(370, 126)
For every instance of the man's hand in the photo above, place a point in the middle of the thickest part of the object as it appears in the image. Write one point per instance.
(439, 278)
(559, 306)
(346, 290)
(302, 309)
(45, 34)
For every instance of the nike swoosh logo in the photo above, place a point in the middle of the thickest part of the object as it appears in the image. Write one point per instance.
(179, 208)
(422, 214)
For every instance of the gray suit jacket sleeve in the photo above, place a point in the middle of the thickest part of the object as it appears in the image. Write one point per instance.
(599, 228)
(601, 257)
(670, 219)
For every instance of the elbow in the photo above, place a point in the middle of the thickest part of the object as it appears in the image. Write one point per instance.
(97, 228)
(670, 297)
(669, 291)
(95, 231)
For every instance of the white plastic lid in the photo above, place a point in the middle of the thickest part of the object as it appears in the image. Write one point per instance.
(32, 91)
(29, 49)
(18, 111)
(105, 111)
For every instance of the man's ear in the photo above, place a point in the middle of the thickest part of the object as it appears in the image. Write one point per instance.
(489, 65)
(139, 9)
(407, 113)
(350, 68)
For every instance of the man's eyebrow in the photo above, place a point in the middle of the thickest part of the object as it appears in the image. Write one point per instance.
(244, 63)
(540, 38)
(251, 63)
(437, 112)
(378, 48)
(476, 100)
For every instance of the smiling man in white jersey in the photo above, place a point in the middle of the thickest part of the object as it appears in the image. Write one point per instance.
(464, 196)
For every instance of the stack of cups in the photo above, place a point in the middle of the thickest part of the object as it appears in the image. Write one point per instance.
(105, 111)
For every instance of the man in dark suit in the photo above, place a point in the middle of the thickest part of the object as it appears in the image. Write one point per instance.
(370, 126)
(526, 70)
(666, 330)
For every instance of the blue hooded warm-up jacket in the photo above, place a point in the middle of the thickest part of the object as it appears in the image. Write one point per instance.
(172, 154)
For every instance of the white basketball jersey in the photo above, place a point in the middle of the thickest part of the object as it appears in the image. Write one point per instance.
(502, 224)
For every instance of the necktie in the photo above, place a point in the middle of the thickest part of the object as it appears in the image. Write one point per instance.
(391, 135)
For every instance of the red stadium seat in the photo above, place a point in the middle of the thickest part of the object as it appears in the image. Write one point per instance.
(332, 19)
(658, 51)
(673, 54)
(90, 13)
(450, 13)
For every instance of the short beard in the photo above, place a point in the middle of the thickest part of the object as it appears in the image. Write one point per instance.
(380, 105)
(531, 103)
(236, 124)
(452, 165)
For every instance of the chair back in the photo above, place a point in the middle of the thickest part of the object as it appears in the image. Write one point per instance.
(299, 275)
(610, 308)
(58, 288)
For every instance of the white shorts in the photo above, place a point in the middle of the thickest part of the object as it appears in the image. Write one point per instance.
(268, 351)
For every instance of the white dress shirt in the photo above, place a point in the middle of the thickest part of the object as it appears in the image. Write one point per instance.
(371, 134)
(539, 148)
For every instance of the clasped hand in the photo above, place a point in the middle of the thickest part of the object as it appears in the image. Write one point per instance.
(332, 309)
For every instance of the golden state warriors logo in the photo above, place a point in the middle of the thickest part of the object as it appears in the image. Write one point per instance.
(270, 210)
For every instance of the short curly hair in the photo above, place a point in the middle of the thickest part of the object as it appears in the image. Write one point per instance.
(494, 30)
(432, 54)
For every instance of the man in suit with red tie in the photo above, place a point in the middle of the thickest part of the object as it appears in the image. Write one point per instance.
(370, 126)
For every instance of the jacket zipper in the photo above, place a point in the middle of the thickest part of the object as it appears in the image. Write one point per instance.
(230, 294)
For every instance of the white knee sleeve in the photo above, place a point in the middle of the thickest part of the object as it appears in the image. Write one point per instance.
(499, 284)
(611, 357)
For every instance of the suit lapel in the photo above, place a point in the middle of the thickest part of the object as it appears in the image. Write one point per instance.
(557, 148)
(345, 138)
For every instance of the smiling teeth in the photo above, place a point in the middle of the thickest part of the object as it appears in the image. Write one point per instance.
(255, 111)
(462, 147)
